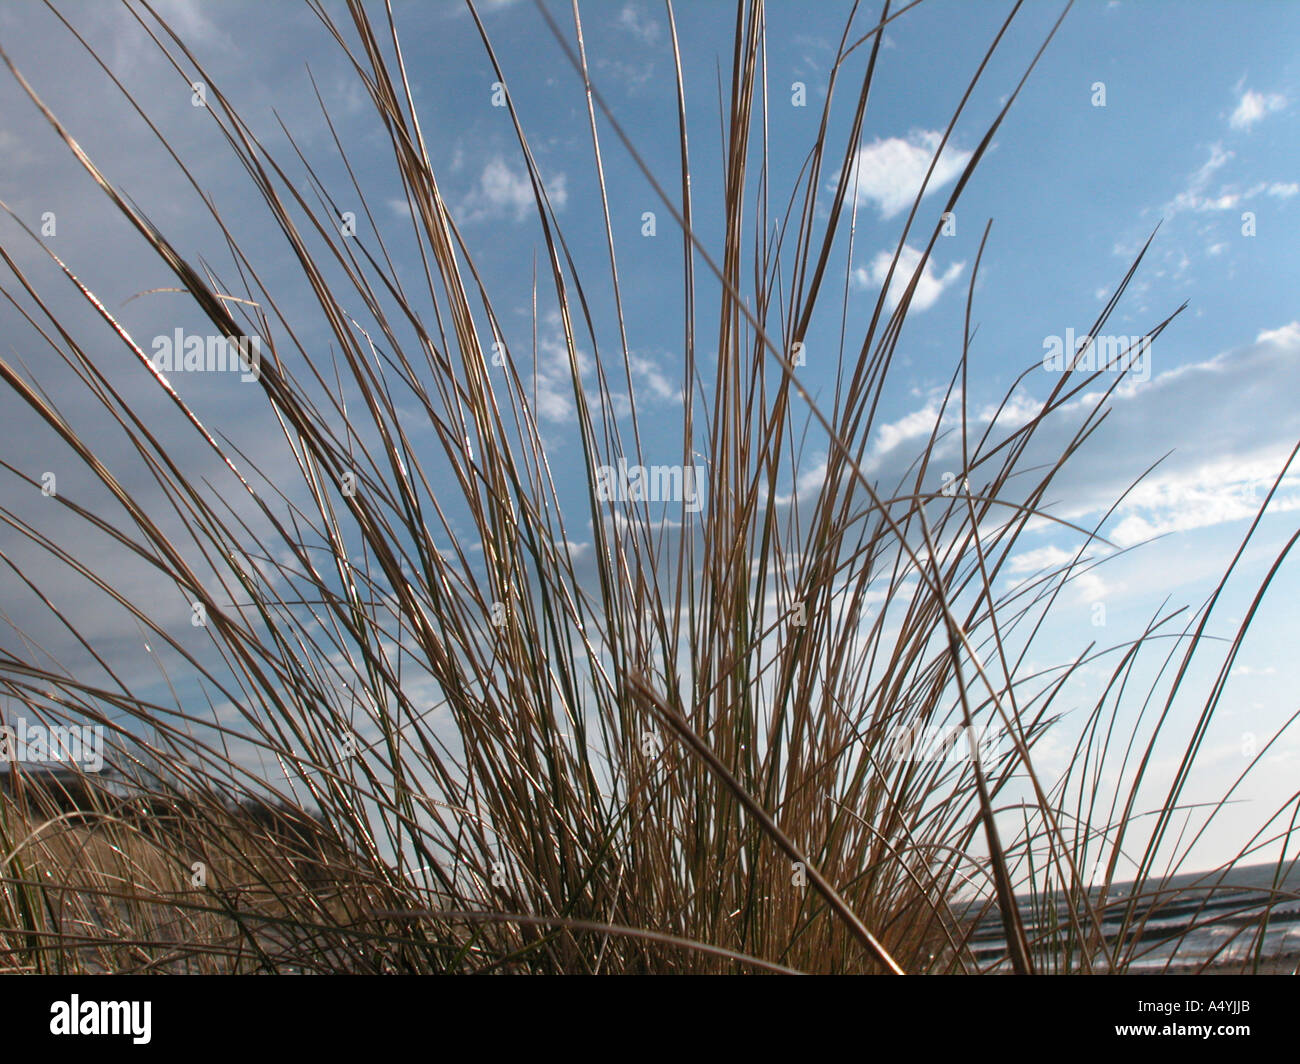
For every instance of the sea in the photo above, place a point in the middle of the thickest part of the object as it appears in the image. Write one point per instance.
(1187, 920)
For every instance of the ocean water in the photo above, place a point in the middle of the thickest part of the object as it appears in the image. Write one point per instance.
(1185, 920)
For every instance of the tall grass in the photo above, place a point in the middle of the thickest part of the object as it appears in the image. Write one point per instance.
(491, 750)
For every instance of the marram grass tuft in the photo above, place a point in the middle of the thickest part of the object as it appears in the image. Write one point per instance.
(428, 728)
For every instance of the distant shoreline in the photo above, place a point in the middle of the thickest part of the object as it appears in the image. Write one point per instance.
(1281, 964)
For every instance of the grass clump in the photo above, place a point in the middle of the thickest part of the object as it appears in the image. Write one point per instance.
(429, 732)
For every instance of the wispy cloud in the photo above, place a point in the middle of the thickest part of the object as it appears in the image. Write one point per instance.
(1221, 475)
(1194, 195)
(652, 379)
(503, 192)
(888, 173)
(1038, 560)
(632, 19)
(633, 76)
(1252, 106)
(1202, 194)
(189, 21)
(554, 378)
(483, 6)
(929, 287)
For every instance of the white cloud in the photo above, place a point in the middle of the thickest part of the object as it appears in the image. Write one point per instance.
(1019, 410)
(647, 373)
(484, 7)
(1193, 197)
(889, 172)
(1041, 558)
(1288, 336)
(633, 76)
(910, 426)
(1254, 670)
(632, 20)
(1089, 586)
(1218, 491)
(929, 287)
(554, 377)
(502, 192)
(1196, 196)
(1221, 467)
(553, 399)
(1218, 157)
(1252, 106)
(189, 21)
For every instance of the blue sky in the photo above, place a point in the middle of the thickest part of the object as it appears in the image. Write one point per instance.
(1199, 133)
